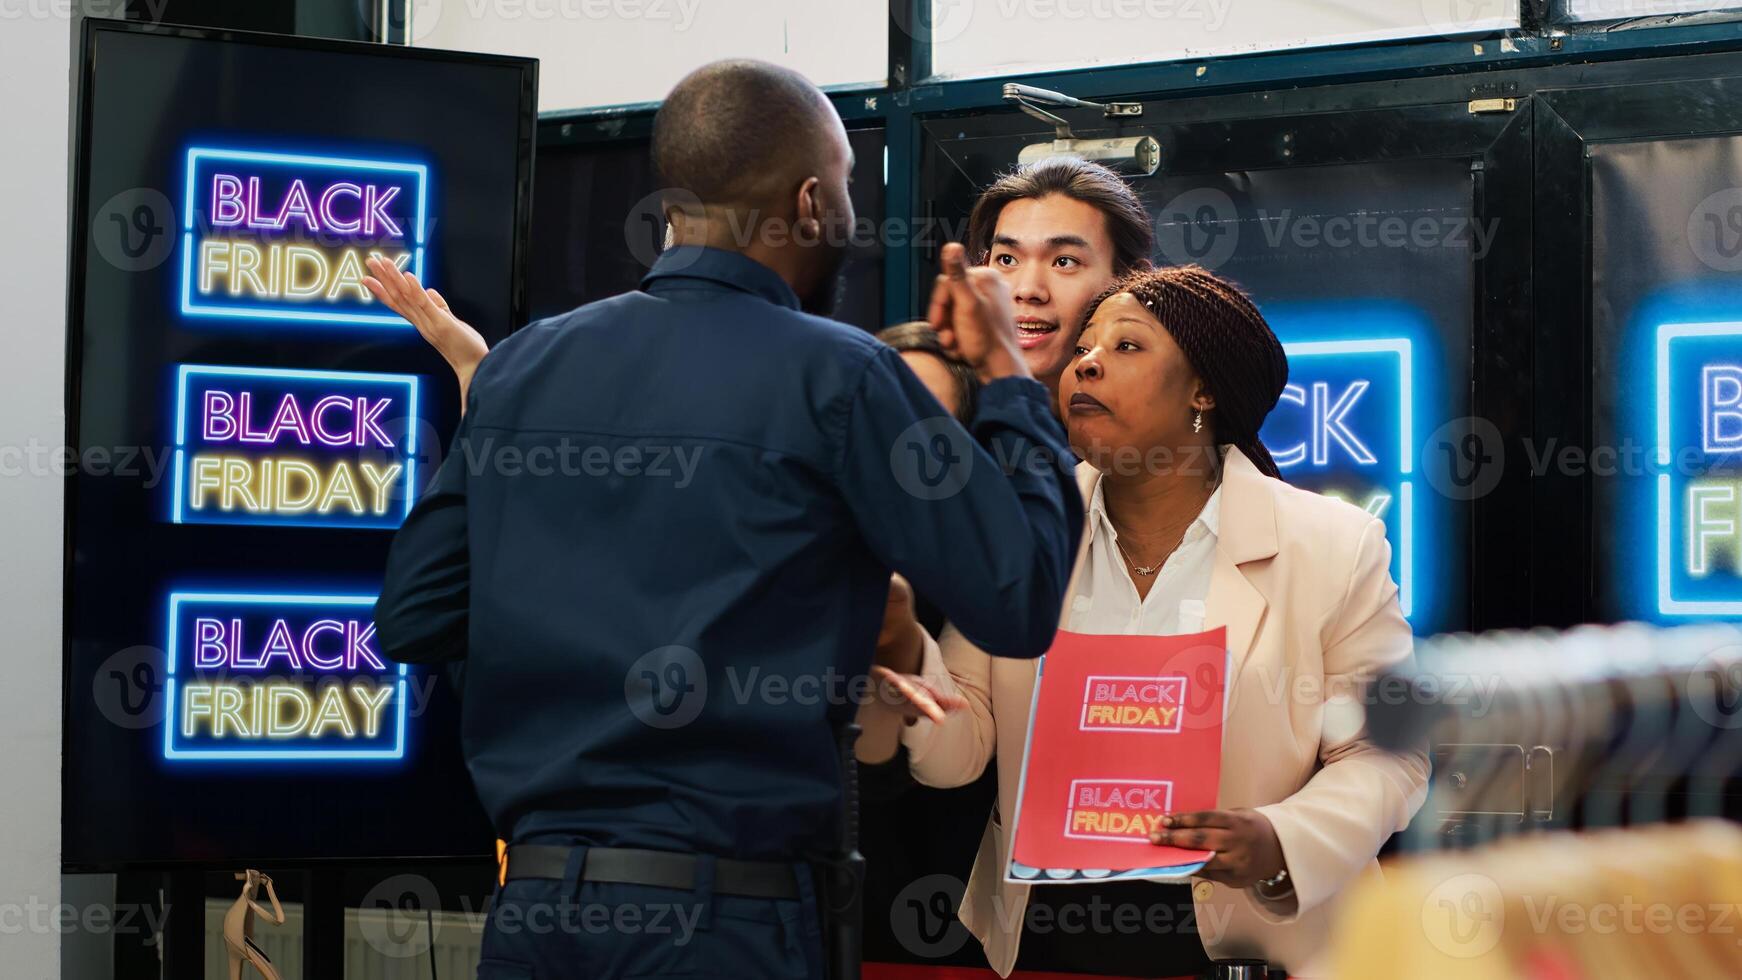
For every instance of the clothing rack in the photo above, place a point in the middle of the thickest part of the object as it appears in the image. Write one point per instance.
(1600, 726)
(1573, 809)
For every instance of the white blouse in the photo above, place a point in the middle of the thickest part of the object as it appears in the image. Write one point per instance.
(1106, 600)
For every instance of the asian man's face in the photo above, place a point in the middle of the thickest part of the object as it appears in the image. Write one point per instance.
(1057, 255)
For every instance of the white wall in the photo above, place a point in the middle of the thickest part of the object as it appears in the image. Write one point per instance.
(1586, 10)
(617, 52)
(996, 37)
(35, 80)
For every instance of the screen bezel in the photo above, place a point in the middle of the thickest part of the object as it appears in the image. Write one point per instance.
(77, 252)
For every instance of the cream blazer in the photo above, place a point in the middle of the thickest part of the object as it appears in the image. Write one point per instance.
(1302, 582)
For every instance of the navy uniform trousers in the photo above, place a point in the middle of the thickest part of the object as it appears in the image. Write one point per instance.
(545, 929)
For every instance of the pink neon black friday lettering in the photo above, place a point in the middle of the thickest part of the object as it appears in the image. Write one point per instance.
(226, 417)
(325, 644)
(236, 202)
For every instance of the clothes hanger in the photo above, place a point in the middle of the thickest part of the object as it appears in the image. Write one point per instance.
(1715, 697)
(1637, 682)
(1680, 653)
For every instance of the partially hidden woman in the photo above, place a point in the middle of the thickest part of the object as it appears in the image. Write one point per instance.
(1190, 527)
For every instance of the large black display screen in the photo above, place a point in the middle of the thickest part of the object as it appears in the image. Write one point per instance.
(1364, 272)
(251, 426)
(1666, 343)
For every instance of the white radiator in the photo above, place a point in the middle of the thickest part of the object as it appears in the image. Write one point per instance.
(380, 944)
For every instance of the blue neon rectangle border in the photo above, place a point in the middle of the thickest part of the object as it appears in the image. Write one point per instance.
(1667, 603)
(170, 720)
(1401, 347)
(196, 153)
(184, 371)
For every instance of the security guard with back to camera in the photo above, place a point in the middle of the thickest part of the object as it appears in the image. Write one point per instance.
(821, 464)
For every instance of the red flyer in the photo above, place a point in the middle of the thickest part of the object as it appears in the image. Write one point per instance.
(1125, 730)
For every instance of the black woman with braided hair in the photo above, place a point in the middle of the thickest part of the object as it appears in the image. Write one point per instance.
(1190, 527)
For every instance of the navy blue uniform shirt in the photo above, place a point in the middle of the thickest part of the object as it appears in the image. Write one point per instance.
(662, 541)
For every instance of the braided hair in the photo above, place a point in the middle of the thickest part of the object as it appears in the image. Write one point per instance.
(1227, 342)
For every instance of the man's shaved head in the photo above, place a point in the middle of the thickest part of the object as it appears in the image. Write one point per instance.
(741, 133)
(755, 160)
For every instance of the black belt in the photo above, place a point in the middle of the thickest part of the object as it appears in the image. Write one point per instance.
(661, 869)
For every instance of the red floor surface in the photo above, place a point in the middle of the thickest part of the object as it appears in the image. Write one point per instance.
(901, 971)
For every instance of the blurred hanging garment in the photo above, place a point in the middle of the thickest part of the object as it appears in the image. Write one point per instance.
(1649, 901)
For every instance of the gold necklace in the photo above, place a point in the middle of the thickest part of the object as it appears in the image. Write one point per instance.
(1148, 570)
(1143, 570)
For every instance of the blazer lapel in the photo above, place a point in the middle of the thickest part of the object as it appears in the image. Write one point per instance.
(1247, 533)
(1237, 605)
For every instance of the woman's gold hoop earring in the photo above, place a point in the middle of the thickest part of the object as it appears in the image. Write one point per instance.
(1198, 421)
